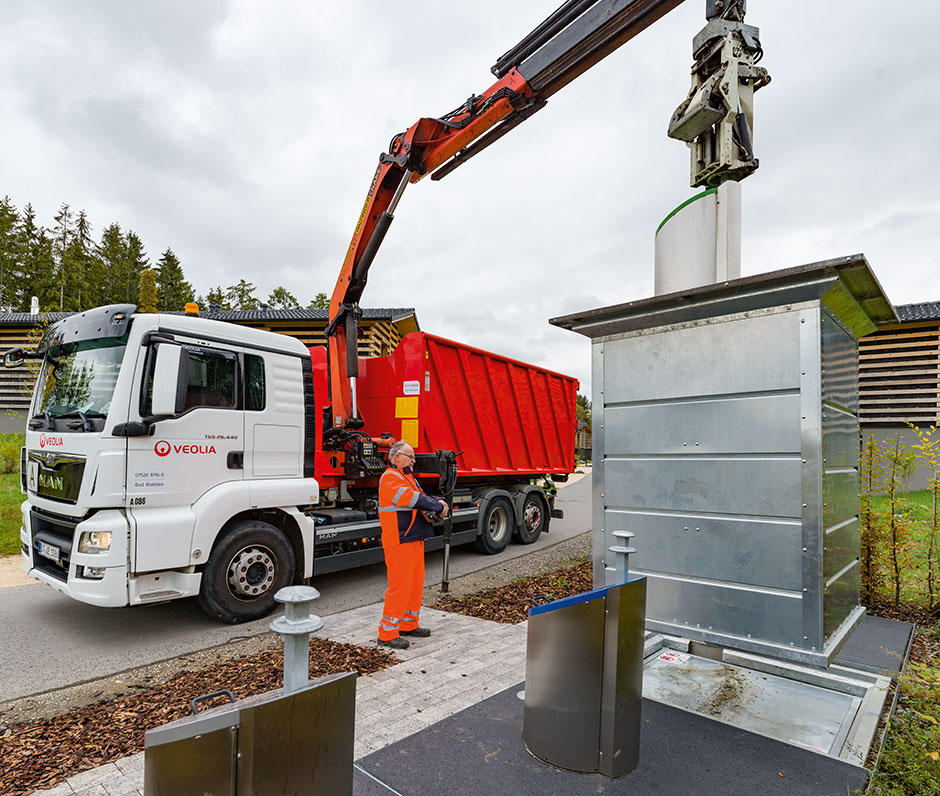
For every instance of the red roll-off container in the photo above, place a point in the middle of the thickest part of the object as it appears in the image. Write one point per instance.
(506, 417)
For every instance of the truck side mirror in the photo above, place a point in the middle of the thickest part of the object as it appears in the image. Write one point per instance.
(170, 377)
(13, 358)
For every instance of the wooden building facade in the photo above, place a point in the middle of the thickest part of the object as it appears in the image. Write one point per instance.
(899, 370)
(899, 381)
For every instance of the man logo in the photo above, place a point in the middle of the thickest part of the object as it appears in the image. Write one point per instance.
(162, 448)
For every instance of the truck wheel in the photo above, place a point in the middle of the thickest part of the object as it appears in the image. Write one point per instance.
(534, 518)
(244, 572)
(495, 527)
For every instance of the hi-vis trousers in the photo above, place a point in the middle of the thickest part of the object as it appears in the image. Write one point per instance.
(405, 565)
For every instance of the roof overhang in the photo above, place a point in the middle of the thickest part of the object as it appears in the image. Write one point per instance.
(846, 285)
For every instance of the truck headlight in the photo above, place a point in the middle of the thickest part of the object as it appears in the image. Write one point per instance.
(94, 542)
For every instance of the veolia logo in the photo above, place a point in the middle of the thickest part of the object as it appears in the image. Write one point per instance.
(162, 448)
(48, 441)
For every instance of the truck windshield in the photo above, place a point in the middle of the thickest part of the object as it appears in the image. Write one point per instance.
(77, 379)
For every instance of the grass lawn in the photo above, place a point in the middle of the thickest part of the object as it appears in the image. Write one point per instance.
(10, 499)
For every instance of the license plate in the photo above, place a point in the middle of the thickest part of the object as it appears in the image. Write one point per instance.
(49, 551)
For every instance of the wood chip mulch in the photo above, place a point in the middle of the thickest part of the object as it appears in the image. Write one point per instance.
(510, 604)
(40, 754)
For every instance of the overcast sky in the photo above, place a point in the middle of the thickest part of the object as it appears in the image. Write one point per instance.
(244, 135)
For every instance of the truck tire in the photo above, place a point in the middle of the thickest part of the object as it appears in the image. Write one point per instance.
(495, 526)
(246, 568)
(534, 518)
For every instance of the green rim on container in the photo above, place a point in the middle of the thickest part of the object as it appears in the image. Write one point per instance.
(684, 204)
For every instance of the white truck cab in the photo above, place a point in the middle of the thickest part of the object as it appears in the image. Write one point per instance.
(168, 456)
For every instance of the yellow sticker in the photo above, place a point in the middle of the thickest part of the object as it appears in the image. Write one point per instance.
(407, 406)
(409, 432)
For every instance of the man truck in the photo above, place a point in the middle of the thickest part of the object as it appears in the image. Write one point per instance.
(170, 456)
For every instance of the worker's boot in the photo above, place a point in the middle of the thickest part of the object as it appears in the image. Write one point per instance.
(417, 632)
(397, 643)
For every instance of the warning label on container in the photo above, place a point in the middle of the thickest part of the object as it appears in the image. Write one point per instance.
(411, 387)
(671, 656)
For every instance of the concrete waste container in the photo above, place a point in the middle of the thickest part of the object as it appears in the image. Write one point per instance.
(584, 679)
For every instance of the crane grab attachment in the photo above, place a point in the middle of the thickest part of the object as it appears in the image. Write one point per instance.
(569, 42)
(716, 119)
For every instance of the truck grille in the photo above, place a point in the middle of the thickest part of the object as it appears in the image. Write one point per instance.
(53, 531)
(57, 476)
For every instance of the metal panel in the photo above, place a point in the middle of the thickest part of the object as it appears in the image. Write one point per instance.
(193, 756)
(761, 552)
(601, 537)
(275, 742)
(699, 361)
(841, 601)
(840, 546)
(840, 438)
(840, 489)
(773, 616)
(741, 424)
(622, 689)
(839, 365)
(811, 476)
(300, 743)
(706, 484)
(840, 496)
(564, 659)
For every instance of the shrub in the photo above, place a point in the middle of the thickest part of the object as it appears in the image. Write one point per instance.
(10, 445)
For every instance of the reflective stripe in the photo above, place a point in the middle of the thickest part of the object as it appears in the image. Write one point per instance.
(394, 508)
(388, 628)
(410, 615)
(401, 491)
(414, 501)
(392, 619)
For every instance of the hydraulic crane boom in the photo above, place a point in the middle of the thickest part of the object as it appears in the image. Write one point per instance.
(569, 42)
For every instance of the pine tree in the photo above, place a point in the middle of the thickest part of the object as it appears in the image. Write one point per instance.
(135, 262)
(173, 290)
(111, 254)
(282, 298)
(241, 296)
(62, 236)
(216, 298)
(79, 294)
(147, 300)
(38, 262)
(10, 271)
(319, 302)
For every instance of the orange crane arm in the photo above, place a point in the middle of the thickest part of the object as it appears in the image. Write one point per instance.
(574, 38)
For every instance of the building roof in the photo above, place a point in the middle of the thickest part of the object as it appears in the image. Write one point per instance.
(925, 311)
(235, 316)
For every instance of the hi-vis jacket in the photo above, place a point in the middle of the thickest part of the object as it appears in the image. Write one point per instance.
(401, 502)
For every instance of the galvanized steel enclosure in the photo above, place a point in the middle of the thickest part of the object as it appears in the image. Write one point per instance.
(726, 439)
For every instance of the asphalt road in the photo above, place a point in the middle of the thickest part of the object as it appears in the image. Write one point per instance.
(51, 641)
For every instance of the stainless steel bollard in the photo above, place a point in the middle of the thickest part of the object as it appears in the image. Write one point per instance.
(622, 555)
(296, 626)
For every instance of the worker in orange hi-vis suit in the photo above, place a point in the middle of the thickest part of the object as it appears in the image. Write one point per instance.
(404, 529)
